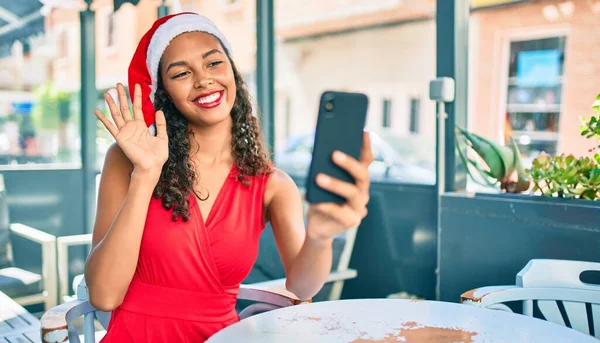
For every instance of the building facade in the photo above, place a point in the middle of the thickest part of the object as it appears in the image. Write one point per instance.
(531, 66)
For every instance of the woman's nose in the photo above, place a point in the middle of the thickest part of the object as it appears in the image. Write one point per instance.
(203, 82)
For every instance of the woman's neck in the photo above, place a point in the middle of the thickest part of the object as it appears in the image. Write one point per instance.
(211, 145)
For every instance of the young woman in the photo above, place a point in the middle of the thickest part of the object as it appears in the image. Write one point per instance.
(180, 211)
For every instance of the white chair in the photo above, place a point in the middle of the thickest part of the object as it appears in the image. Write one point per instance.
(62, 256)
(32, 287)
(557, 287)
(25, 283)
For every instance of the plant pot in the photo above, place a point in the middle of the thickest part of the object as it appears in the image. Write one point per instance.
(485, 239)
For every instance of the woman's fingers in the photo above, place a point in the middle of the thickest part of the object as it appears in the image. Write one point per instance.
(357, 170)
(109, 126)
(114, 110)
(138, 114)
(161, 124)
(349, 191)
(124, 103)
(341, 213)
(366, 154)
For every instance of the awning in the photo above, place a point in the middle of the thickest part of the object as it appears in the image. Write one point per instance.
(19, 20)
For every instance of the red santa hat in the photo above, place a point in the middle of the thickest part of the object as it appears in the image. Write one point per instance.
(143, 69)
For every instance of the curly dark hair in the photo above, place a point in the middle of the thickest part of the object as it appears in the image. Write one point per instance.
(178, 173)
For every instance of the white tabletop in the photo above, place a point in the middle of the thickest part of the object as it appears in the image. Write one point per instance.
(394, 320)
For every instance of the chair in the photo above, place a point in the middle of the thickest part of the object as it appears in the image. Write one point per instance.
(28, 287)
(565, 292)
(267, 294)
(57, 323)
(253, 298)
(63, 244)
(24, 283)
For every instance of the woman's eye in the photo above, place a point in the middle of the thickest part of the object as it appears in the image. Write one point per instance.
(214, 64)
(180, 75)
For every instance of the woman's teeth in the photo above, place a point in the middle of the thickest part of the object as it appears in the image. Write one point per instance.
(209, 98)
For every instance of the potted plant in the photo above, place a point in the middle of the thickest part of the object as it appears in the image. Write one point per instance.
(562, 176)
(569, 176)
(494, 163)
(485, 239)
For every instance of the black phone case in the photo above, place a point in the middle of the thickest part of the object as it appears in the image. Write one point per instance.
(339, 127)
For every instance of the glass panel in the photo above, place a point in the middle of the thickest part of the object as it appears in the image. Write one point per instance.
(117, 36)
(532, 68)
(385, 49)
(39, 90)
(236, 19)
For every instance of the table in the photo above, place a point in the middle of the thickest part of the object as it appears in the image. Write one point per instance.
(394, 320)
(16, 324)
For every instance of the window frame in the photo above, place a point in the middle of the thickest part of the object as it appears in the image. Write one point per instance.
(516, 35)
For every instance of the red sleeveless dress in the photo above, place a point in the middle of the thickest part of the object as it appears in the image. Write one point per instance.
(188, 273)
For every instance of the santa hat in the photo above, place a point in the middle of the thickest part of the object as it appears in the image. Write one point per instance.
(143, 69)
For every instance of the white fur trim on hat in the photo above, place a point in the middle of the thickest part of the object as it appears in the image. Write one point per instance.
(174, 27)
(152, 129)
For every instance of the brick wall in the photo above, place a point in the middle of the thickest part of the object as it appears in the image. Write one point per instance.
(490, 32)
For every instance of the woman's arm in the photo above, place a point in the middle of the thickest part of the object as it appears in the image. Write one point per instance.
(307, 262)
(123, 198)
(131, 171)
(307, 254)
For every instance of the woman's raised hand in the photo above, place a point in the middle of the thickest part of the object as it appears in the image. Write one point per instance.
(327, 220)
(147, 153)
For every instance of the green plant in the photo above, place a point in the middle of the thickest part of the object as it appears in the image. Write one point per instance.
(52, 107)
(590, 127)
(492, 163)
(567, 176)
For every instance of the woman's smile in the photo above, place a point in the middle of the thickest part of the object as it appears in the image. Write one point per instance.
(209, 100)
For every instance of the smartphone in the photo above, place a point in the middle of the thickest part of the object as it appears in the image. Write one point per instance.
(340, 124)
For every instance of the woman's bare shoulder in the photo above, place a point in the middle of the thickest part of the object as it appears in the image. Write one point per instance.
(280, 184)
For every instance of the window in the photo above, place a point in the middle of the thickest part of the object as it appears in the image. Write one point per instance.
(352, 46)
(39, 100)
(387, 113)
(415, 107)
(534, 94)
(532, 75)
